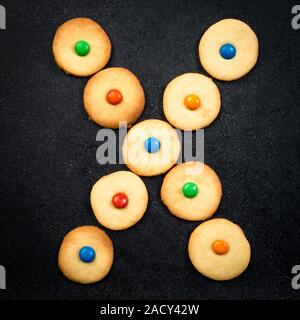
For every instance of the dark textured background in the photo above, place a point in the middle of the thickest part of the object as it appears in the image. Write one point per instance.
(48, 150)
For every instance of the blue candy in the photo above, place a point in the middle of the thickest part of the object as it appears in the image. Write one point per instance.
(228, 51)
(87, 254)
(152, 145)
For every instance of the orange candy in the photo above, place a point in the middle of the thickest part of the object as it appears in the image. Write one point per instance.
(192, 101)
(114, 96)
(220, 247)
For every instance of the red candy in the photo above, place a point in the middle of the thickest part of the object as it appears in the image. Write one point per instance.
(120, 200)
(114, 96)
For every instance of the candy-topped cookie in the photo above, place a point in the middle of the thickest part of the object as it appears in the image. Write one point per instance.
(151, 147)
(86, 254)
(119, 200)
(81, 47)
(114, 95)
(228, 49)
(219, 249)
(191, 101)
(192, 191)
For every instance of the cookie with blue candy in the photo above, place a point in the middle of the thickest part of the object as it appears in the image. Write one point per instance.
(151, 147)
(228, 49)
(86, 255)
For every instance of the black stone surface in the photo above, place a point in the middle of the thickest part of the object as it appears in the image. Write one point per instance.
(48, 150)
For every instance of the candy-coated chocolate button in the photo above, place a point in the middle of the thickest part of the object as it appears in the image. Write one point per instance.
(190, 190)
(114, 96)
(152, 145)
(87, 254)
(192, 101)
(82, 48)
(220, 247)
(120, 200)
(228, 51)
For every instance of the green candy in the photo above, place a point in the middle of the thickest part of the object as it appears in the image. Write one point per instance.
(190, 189)
(82, 48)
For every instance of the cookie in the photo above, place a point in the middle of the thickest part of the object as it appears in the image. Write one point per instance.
(219, 249)
(114, 95)
(119, 200)
(151, 148)
(81, 47)
(192, 191)
(191, 101)
(86, 255)
(228, 49)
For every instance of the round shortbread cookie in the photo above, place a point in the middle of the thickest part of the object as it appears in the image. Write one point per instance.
(151, 147)
(192, 191)
(228, 49)
(119, 200)
(219, 249)
(191, 101)
(114, 95)
(86, 255)
(81, 47)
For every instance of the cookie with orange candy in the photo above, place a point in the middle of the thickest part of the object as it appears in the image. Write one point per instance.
(219, 249)
(191, 101)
